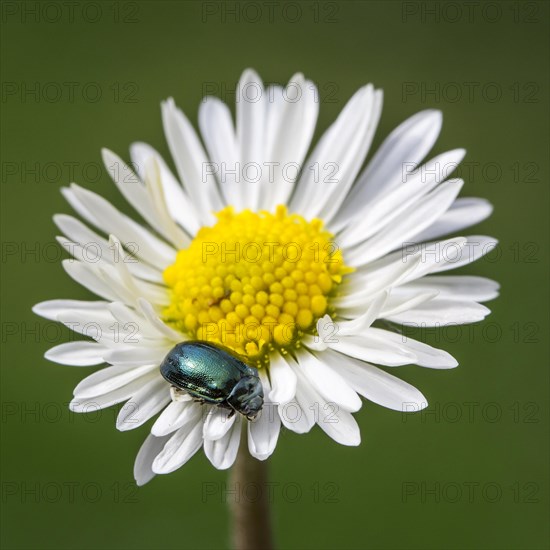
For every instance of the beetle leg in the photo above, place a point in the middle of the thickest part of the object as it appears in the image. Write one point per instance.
(199, 400)
(179, 395)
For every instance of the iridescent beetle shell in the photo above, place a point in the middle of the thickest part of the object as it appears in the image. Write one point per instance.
(216, 375)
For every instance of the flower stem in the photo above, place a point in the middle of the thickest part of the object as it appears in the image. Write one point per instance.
(251, 520)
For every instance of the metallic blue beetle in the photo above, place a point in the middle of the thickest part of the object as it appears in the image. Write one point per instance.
(216, 375)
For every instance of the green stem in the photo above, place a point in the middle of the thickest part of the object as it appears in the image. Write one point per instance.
(251, 520)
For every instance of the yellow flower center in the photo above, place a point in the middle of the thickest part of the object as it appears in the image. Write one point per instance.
(254, 282)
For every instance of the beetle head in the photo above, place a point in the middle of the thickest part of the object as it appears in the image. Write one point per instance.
(247, 396)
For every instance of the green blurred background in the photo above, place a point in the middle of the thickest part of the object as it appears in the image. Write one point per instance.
(470, 472)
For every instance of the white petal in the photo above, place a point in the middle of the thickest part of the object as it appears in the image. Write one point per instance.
(190, 160)
(426, 356)
(79, 207)
(275, 107)
(475, 247)
(99, 325)
(328, 383)
(401, 152)
(376, 385)
(134, 236)
(339, 425)
(125, 285)
(376, 350)
(135, 355)
(458, 287)
(52, 308)
(152, 206)
(441, 312)
(109, 379)
(128, 183)
(364, 321)
(399, 303)
(291, 117)
(388, 207)
(160, 217)
(358, 294)
(155, 321)
(221, 142)
(296, 418)
(223, 452)
(178, 202)
(217, 423)
(421, 215)
(251, 115)
(179, 448)
(89, 278)
(80, 234)
(343, 146)
(332, 419)
(464, 212)
(78, 354)
(133, 325)
(147, 402)
(263, 431)
(178, 415)
(298, 415)
(438, 256)
(143, 472)
(114, 397)
(174, 416)
(428, 255)
(86, 245)
(325, 331)
(283, 380)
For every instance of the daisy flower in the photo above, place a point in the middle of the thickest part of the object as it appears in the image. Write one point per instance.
(292, 256)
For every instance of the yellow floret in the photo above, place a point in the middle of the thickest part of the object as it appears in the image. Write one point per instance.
(254, 282)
